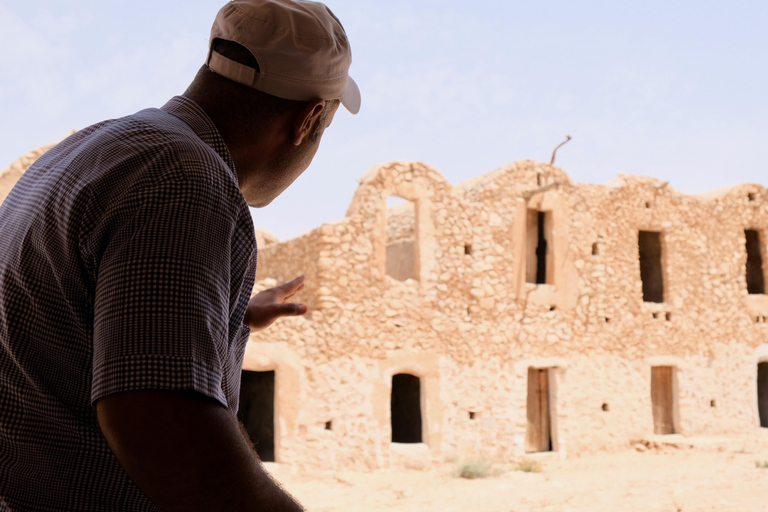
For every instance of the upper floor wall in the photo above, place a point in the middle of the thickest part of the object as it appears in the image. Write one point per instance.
(525, 250)
(525, 243)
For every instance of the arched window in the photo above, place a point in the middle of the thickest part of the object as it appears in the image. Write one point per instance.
(402, 257)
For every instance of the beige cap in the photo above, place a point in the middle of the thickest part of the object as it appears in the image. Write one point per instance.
(301, 47)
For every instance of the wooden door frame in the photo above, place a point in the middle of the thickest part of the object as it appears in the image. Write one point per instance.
(677, 367)
(557, 367)
(533, 430)
(663, 399)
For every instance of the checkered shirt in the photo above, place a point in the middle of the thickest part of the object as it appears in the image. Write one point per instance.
(127, 257)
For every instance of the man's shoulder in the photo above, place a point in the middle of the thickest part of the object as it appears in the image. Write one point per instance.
(160, 133)
(150, 147)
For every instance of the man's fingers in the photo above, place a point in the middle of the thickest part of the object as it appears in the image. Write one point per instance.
(294, 292)
(289, 309)
(290, 288)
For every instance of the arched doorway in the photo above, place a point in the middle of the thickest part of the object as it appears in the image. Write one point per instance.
(405, 406)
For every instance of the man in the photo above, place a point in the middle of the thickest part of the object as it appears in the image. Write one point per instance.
(127, 257)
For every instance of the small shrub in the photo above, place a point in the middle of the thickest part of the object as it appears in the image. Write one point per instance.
(528, 465)
(477, 468)
(761, 465)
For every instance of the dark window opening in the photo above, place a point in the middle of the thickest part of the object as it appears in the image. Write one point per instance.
(607, 320)
(595, 249)
(406, 408)
(541, 252)
(552, 308)
(468, 249)
(751, 196)
(471, 415)
(662, 400)
(647, 204)
(762, 393)
(605, 407)
(651, 272)
(755, 276)
(539, 257)
(538, 435)
(328, 425)
(668, 317)
(711, 403)
(655, 315)
(257, 411)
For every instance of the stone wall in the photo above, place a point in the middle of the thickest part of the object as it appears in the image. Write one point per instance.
(471, 324)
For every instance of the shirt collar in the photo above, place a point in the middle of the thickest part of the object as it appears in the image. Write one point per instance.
(194, 116)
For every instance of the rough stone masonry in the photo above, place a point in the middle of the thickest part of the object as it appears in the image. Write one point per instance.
(516, 313)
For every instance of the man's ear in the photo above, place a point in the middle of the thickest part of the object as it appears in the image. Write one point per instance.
(306, 119)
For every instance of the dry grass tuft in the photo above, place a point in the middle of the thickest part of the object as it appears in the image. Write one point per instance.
(476, 468)
(528, 466)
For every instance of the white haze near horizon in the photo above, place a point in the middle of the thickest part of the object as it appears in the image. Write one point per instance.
(674, 90)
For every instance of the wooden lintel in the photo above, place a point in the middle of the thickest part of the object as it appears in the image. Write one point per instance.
(530, 193)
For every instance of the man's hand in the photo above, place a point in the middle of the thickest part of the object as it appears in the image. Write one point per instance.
(268, 305)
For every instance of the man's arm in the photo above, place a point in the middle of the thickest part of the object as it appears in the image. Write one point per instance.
(186, 453)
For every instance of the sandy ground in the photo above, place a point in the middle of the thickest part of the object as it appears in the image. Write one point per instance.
(702, 474)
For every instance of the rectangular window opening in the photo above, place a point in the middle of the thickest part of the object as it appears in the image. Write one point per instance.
(755, 275)
(539, 254)
(662, 400)
(402, 240)
(538, 435)
(651, 270)
(257, 411)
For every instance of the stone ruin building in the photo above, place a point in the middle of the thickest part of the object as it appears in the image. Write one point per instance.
(516, 313)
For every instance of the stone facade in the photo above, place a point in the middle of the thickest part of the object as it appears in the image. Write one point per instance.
(524, 303)
(472, 322)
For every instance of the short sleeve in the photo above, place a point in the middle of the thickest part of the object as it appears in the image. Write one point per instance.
(162, 301)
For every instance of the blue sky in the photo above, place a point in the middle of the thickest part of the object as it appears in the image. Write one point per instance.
(671, 89)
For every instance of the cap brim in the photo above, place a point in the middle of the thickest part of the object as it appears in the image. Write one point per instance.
(351, 97)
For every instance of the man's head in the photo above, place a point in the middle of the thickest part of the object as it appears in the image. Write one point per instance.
(275, 74)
